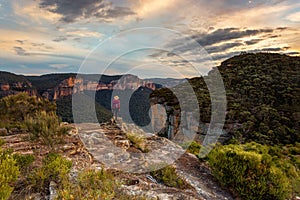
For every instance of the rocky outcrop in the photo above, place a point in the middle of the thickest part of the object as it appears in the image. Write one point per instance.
(106, 145)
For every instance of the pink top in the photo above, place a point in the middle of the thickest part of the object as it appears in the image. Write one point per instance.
(115, 103)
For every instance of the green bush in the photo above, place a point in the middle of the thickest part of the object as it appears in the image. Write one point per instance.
(15, 108)
(192, 147)
(251, 174)
(169, 177)
(54, 168)
(23, 161)
(46, 128)
(9, 173)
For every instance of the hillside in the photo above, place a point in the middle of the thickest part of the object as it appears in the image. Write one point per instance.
(263, 92)
(49, 81)
(10, 78)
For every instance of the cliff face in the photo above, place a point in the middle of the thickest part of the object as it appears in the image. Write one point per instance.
(55, 86)
(12, 84)
(74, 85)
(132, 82)
(14, 88)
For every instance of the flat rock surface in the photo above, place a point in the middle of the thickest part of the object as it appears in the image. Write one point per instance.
(102, 142)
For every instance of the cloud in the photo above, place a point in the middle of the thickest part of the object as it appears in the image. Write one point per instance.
(223, 47)
(253, 41)
(223, 56)
(20, 41)
(211, 40)
(58, 66)
(274, 49)
(282, 28)
(83, 33)
(41, 46)
(145, 8)
(31, 10)
(60, 39)
(221, 35)
(71, 10)
(294, 17)
(20, 51)
(293, 53)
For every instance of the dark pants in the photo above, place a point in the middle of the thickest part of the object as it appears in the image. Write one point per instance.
(115, 113)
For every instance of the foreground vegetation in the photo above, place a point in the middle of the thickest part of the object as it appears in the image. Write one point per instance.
(89, 184)
(257, 171)
(37, 117)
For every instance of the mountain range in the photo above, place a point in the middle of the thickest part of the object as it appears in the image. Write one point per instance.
(262, 91)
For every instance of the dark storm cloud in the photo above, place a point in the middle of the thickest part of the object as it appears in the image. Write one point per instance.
(20, 51)
(71, 10)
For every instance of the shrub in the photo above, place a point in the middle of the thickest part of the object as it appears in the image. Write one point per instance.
(169, 177)
(9, 173)
(252, 175)
(94, 185)
(139, 141)
(23, 161)
(54, 168)
(46, 128)
(192, 147)
(15, 108)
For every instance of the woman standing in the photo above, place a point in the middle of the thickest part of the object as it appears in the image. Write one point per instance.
(115, 105)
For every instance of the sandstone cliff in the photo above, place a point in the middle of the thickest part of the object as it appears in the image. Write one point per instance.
(13, 84)
(74, 85)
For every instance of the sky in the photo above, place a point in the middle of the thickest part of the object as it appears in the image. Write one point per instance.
(149, 38)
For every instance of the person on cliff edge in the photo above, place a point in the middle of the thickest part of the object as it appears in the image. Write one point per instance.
(115, 105)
